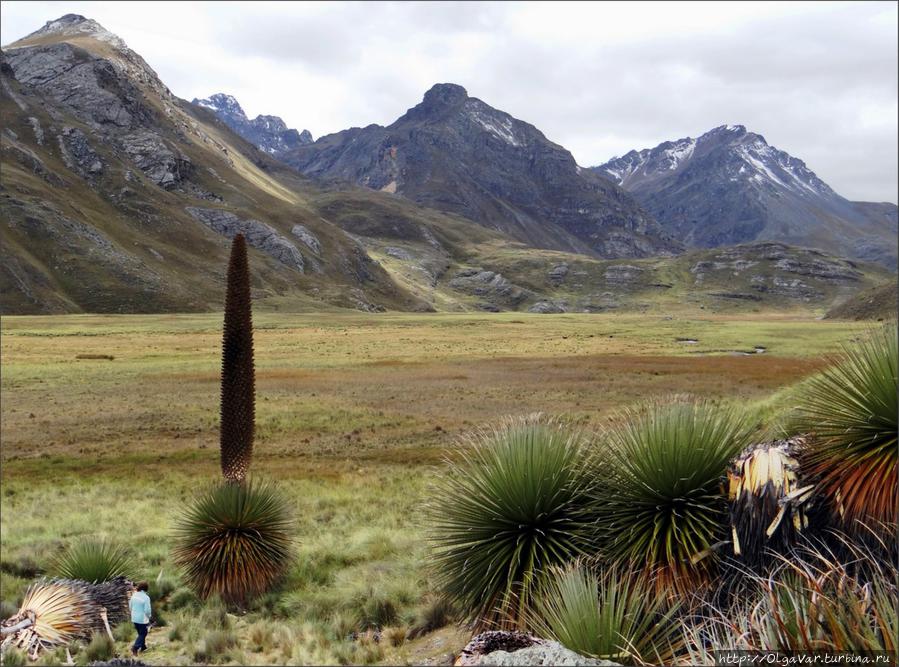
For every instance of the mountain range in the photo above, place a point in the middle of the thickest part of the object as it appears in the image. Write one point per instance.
(730, 186)
(117, 196)
(268, 133)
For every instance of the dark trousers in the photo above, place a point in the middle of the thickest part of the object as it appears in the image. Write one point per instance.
(140, 644)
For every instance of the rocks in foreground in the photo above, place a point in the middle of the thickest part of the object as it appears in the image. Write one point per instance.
(517, 648)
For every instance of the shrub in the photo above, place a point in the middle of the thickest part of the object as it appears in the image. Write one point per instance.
(814, 601)
(260, 637)
(162, 586)
(124, 632)
(99, 648)
(850, 410)
(214, 647)
(94, 561)
(235, 541)
(515, 505)
(614, 615)
(659, 496)
(438, 613)
(182, 598)
(13, 657)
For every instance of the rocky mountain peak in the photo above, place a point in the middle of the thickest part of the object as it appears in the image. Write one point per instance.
(730, 185)
(438, 100)
(221, 103)
(75, 25)
(445, 94)
(268, 133)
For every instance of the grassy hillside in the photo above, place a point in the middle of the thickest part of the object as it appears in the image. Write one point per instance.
(876, 303)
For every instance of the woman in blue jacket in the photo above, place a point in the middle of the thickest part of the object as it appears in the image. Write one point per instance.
(140, 616)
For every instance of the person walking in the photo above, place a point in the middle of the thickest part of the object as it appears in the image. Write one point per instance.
(140, 616)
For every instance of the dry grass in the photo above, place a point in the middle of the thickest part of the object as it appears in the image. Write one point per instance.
(354, 412)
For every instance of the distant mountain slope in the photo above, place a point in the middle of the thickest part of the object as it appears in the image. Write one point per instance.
(118, 197)
(877, 303)
(268, 133)
(729, 186)
(455, 153)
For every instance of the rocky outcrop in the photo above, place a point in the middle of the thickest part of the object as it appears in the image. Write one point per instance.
(258, 234)
(498, 647)
(92, 88)
(307, 237)
(77, 152)
(489, 285)
(547, 307)
(165, 166)
(549, 654)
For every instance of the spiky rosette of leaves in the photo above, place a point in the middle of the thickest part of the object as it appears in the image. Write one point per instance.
(850, 410)
(659, 495)
(514, 504)
(610, 613)
(235, 541)
(238, 374)
(94, 561)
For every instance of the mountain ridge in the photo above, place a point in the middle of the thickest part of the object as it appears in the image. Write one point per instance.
(456, 153)
(266, 132)
(730, 186)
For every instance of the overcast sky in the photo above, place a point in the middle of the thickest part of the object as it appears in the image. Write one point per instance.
(817, 79)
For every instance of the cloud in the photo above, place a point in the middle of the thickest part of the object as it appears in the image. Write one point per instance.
(818, 80)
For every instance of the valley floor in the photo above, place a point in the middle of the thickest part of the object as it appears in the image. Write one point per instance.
(355, 413)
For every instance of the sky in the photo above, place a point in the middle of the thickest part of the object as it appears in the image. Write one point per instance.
(816, 79)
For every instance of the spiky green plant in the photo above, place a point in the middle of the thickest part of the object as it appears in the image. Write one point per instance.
(659, 497)
(850, 410)
(238, 373)
(515, 504)
(235, 541)
(613, 615)
(94, 561)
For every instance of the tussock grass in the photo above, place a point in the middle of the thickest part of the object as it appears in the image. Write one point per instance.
(93, 561)
(614, 615)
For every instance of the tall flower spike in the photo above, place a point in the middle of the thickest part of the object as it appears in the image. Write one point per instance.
(238, 374)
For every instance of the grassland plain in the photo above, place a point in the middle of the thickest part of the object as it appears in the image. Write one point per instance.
(354, 415)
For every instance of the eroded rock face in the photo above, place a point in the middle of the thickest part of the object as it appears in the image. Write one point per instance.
(489, 284)
(163, 165)
(258, 234)
(77, 152)
(307, 237)
(90, 87)
(547, 307)
(558, 273)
